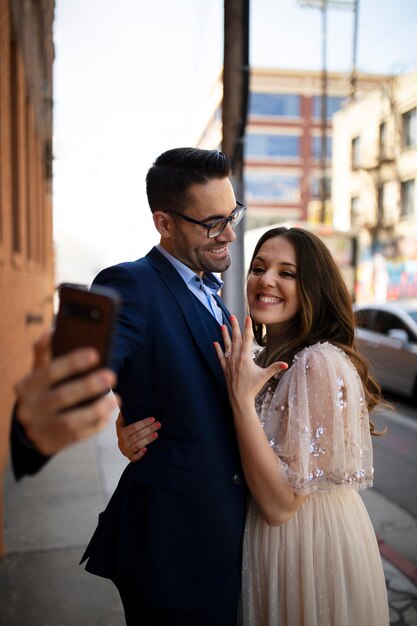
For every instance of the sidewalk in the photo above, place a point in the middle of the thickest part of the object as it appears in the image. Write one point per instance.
(49, 519)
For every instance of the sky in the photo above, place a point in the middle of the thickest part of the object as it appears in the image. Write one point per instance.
(133, 78)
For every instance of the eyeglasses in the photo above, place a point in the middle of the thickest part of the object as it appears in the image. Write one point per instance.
(216, 227)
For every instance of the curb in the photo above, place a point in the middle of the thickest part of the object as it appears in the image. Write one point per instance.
(399, 561)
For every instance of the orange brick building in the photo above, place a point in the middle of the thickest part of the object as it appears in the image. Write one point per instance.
(26, 250)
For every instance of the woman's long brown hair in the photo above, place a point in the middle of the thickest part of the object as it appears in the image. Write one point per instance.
(325, 308)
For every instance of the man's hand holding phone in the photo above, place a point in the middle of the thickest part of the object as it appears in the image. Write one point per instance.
(53, 400)
(66, 397)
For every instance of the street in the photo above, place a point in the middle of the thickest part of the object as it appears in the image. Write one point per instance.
(395, 458)
(392, 505)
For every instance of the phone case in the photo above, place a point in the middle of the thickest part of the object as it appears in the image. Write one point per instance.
(85, 318)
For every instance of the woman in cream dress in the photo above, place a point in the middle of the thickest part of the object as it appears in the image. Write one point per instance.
(310, 553)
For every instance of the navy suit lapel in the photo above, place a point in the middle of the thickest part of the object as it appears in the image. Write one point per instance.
(225, 312)
(192, 316)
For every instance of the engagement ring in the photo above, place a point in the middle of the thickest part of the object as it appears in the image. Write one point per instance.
(227, 354)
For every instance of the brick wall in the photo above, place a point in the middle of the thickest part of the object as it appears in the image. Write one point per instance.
(26, 250)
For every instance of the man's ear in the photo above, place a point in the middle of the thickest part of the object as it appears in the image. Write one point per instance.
(163, 223)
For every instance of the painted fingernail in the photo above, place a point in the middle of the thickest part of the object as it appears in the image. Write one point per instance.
(154, 435)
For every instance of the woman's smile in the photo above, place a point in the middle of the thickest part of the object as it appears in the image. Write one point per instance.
(272, 283)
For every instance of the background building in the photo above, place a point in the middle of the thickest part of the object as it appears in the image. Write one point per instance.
(26, 254)
(283, 165)
(374, 186)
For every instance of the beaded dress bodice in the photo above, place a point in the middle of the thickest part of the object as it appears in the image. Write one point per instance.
(316, 419)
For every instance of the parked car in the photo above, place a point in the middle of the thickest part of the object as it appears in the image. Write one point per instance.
(386, 335)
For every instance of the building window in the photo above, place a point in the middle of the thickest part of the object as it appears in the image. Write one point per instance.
(15, 99)
(316, 147)
(1, 202)
(380, 213)
(31, 198)
(316, 190)
(407, 198)
(383, 141)
(333, 104)
(281, 105)
(356, 152)
(283, 188)
(354, 211)
(276, 146)
(409, 129)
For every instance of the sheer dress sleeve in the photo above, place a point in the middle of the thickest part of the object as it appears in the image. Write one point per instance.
(316, 419)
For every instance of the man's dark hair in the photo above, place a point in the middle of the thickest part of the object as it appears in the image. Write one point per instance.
(173, 173)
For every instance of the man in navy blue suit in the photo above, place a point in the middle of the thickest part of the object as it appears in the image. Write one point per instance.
(171, 535)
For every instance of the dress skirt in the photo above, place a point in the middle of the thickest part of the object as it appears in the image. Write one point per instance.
(321, 568)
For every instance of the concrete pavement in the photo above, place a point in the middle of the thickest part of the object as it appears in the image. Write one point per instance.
(49, 519)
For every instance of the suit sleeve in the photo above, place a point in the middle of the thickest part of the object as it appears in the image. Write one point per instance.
(26, 459)
(132, 320)
(130, 331)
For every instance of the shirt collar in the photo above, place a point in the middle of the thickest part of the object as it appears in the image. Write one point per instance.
(211, 281)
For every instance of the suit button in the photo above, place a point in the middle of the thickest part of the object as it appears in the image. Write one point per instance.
(236, 479)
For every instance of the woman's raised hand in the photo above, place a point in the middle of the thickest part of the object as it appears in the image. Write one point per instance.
(243, 377)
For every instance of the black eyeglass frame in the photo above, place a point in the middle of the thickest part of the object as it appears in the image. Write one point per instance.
(234, 218)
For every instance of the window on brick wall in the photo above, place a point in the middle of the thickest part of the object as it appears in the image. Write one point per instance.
(1, 227)
(333, 104)
(316, 145)
(27, 171)
(316, 187)
(1, 185)
(42, 207)
(33, 209)
(272, 146)
(2, 86)
(29, 184)
(278, 187)
(280, 105)
(14, 109)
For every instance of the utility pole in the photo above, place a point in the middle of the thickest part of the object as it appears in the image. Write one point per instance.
(323, 152)
(234, 114)
(323, 5)
(353, 75)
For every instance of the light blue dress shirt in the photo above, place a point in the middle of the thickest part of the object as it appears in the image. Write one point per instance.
(204, 289)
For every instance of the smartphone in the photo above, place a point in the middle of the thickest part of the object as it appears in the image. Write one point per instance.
(85, 318)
